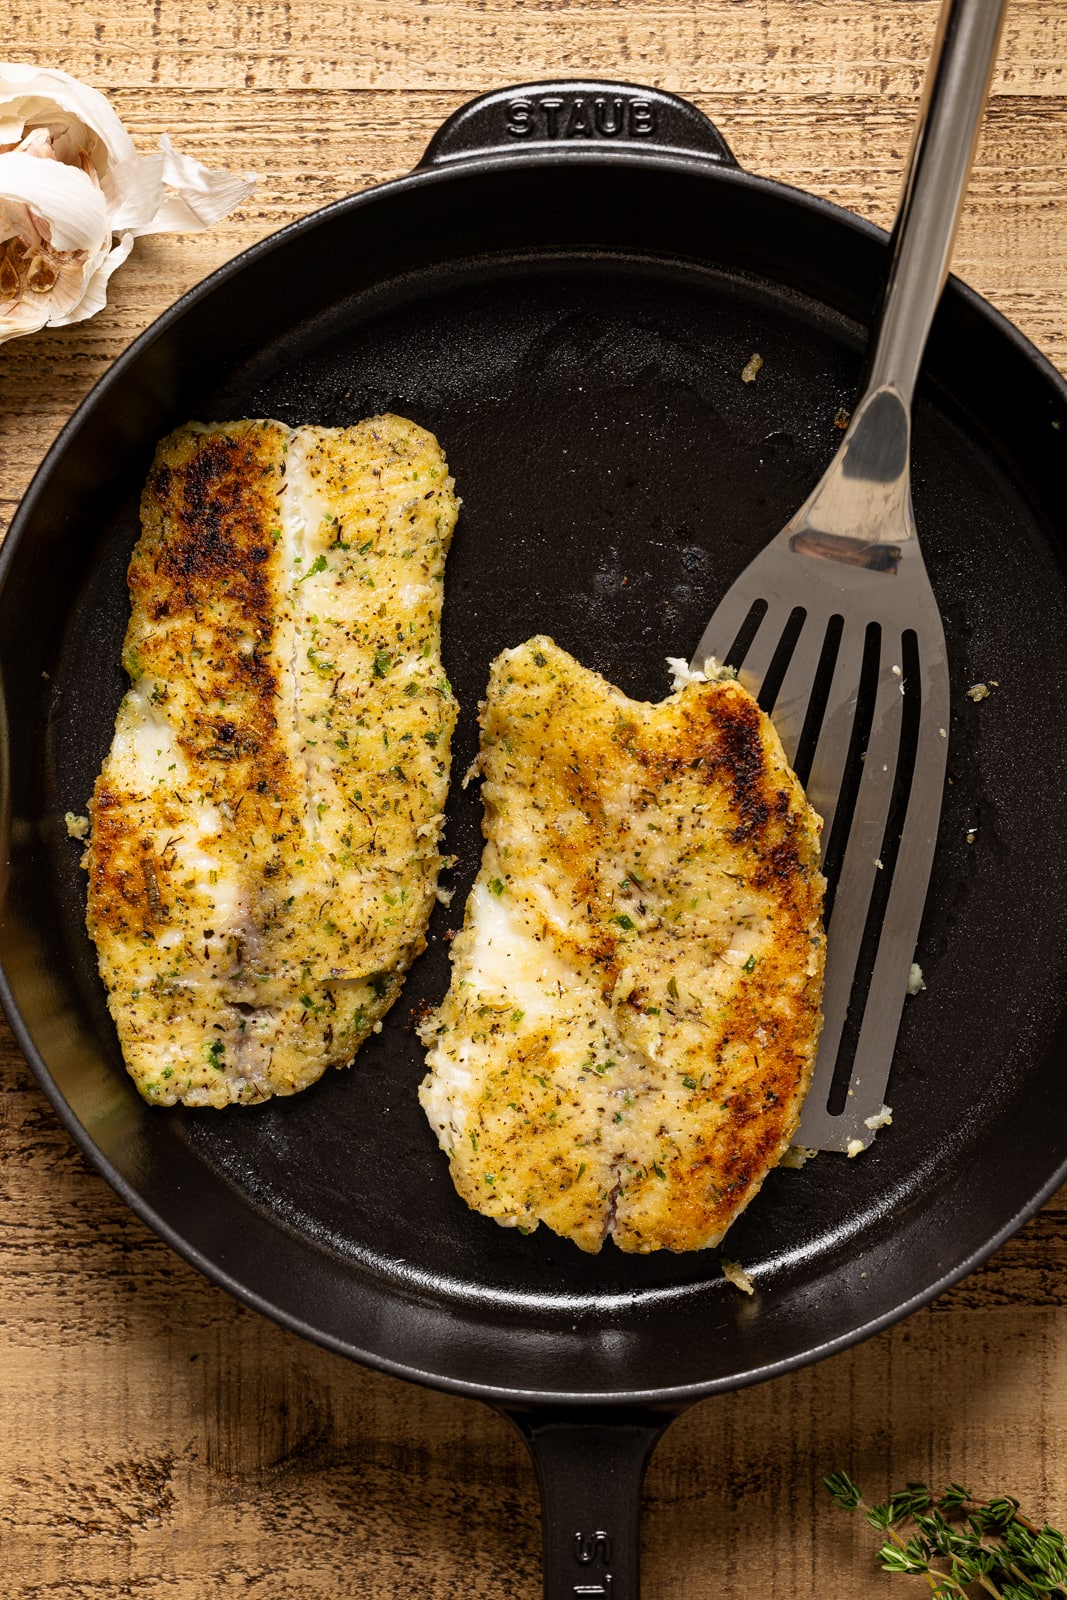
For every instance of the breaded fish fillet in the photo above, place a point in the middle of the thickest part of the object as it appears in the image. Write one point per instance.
(633, 1015)
(263, 853)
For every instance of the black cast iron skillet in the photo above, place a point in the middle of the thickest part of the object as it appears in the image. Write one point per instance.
(566, 291)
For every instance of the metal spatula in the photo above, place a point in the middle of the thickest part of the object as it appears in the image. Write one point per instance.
(835, 628)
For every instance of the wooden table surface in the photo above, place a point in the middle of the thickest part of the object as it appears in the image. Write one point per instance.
(156, 1439)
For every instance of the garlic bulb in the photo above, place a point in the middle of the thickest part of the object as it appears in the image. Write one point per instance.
(75, 194)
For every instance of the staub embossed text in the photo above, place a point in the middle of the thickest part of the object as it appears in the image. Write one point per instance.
(556, 116)
(593, 1549)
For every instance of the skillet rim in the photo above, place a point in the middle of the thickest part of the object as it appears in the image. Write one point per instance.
(455, 170)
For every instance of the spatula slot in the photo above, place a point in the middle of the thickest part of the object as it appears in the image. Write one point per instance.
(837, 766)
(781, 655)
(745, 635)
(817, 700)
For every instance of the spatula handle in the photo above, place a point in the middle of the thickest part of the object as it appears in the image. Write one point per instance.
(943, 146)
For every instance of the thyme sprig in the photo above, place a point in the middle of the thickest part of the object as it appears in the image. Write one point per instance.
(962, 1546)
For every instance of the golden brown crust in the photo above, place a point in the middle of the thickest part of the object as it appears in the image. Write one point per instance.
(203, 578)
(634, 1011)
(262, 861)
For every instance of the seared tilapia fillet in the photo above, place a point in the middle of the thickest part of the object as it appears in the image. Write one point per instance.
(263, 853)
(633, 1015)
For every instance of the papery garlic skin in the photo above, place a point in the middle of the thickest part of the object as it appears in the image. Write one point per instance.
(75, 194)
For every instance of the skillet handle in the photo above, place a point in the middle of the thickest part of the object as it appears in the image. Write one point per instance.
(576, 114)
(590, 1471)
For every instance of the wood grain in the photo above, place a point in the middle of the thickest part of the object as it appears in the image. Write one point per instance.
(158, 1440)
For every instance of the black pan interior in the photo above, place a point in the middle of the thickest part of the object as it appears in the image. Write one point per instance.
(616, 474)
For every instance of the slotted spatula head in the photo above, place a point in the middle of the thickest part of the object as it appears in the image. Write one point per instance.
(840, 639)
(836, 631)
